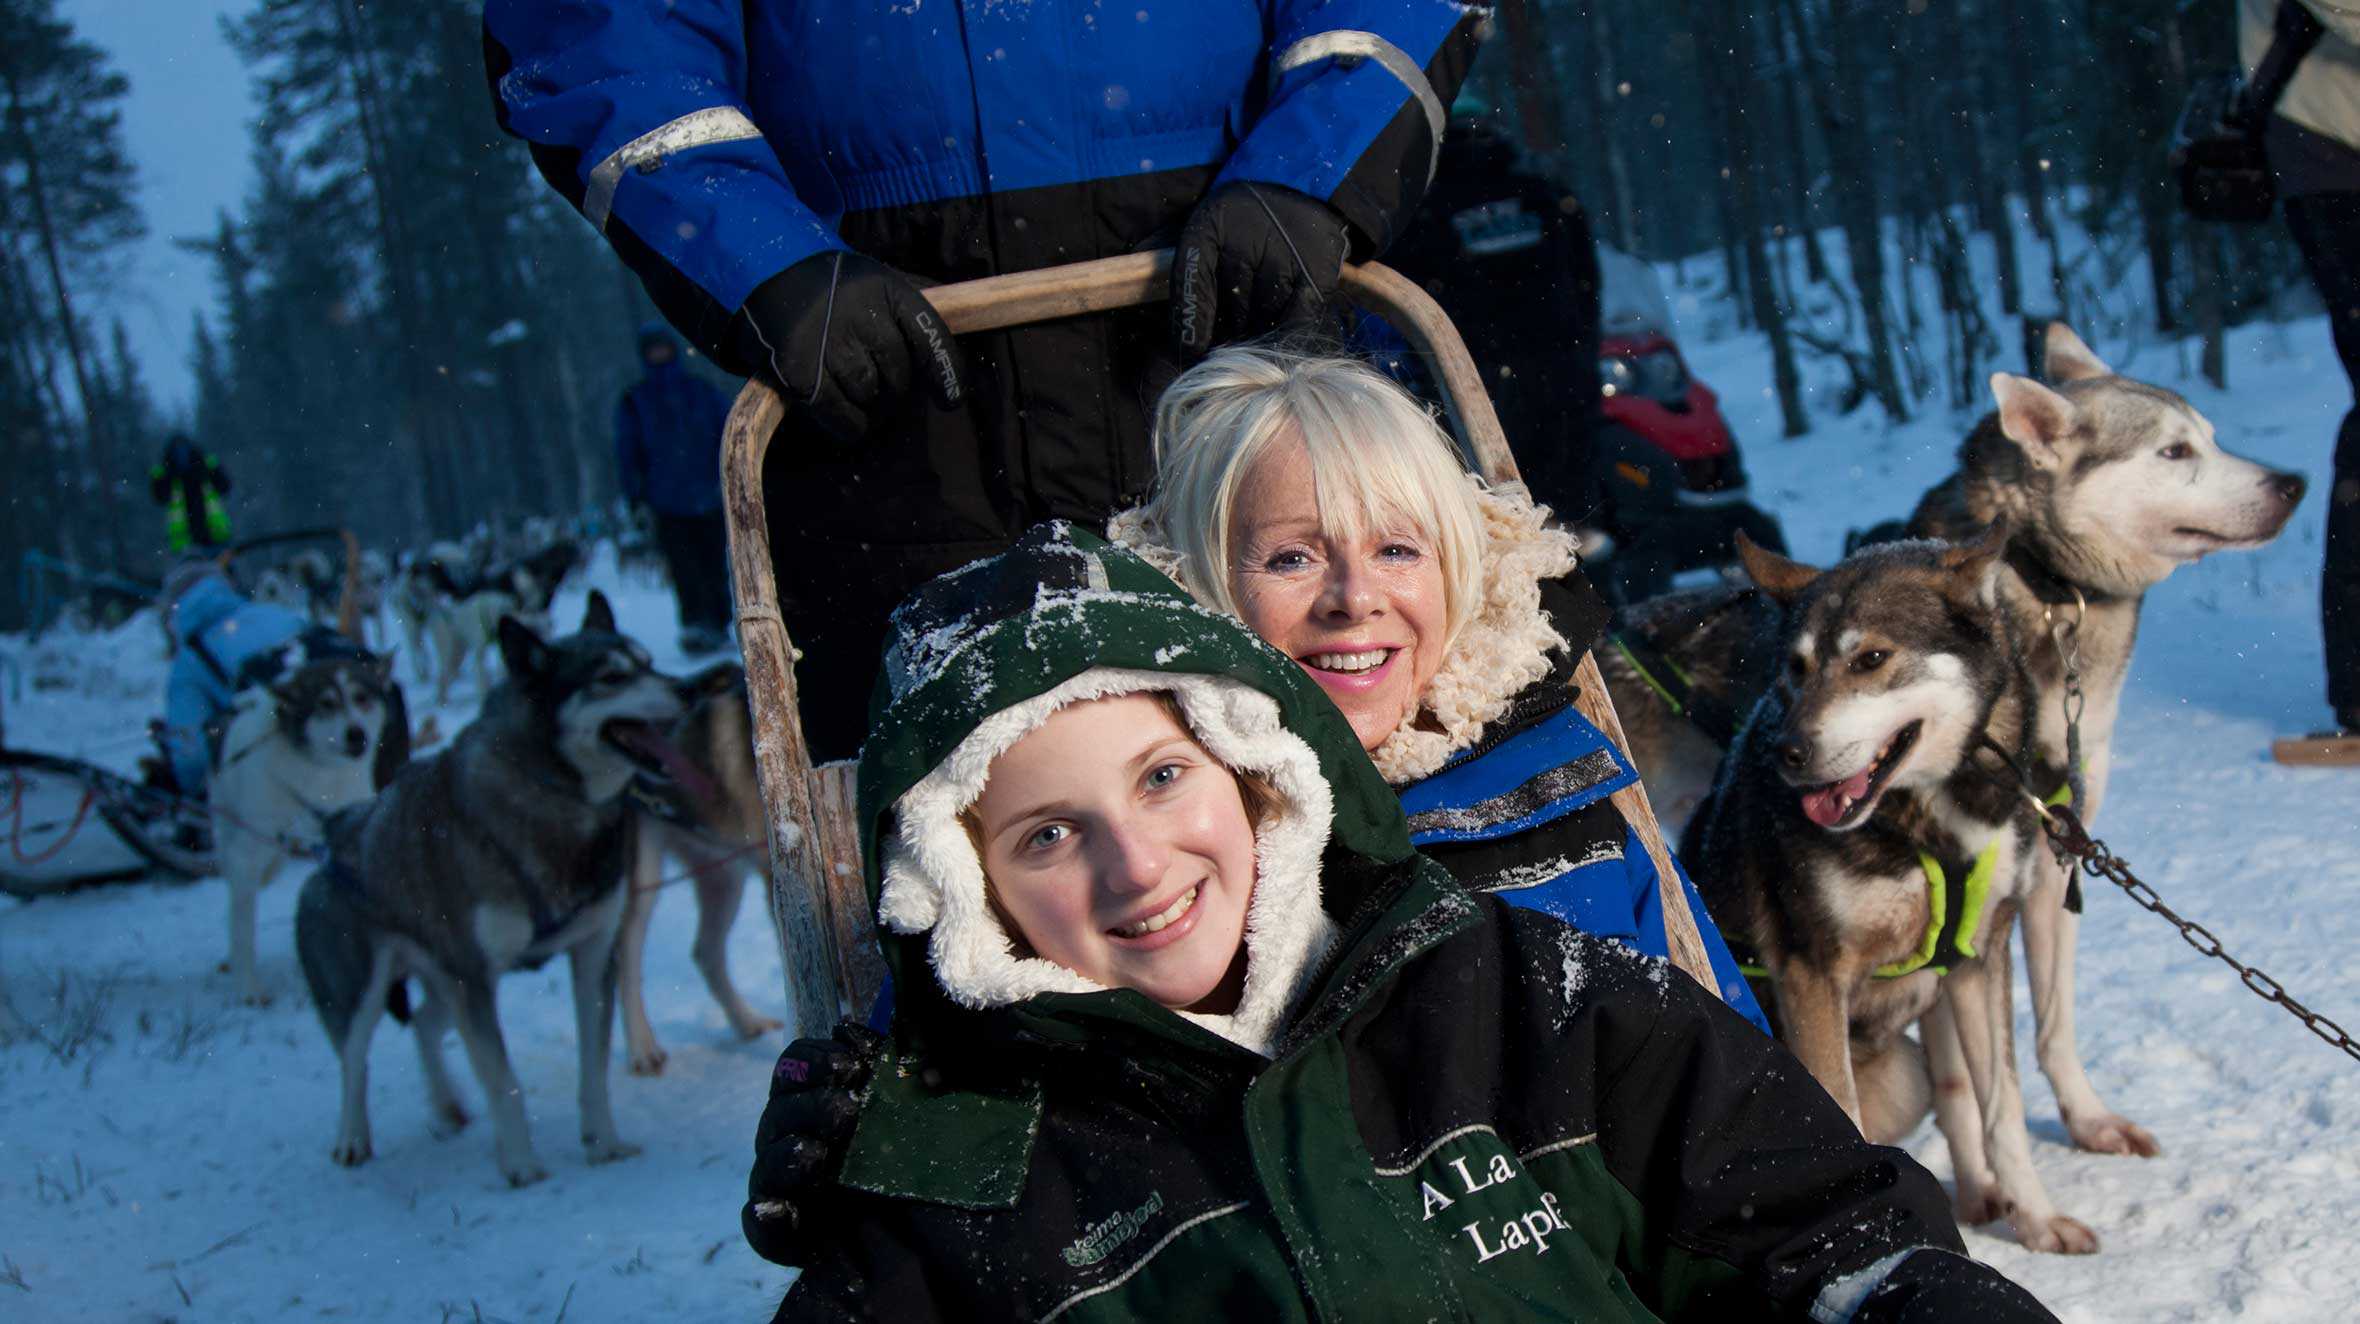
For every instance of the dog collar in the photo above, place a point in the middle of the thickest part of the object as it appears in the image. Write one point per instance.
(2051, 588)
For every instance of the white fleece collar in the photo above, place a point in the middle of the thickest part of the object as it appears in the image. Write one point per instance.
(934, 881)
(1503, 649)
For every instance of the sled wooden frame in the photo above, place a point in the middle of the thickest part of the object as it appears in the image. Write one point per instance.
(818, 893)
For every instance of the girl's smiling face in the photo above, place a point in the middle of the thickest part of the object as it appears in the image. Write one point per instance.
(1121, 850)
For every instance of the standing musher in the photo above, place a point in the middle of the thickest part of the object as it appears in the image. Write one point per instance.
(784, 175)
(668, 459)
(189, 484)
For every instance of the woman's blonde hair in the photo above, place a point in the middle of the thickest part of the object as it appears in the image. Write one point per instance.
(1377, 458)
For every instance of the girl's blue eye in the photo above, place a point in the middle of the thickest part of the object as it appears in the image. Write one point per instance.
(1163, 776)
(1046, 836)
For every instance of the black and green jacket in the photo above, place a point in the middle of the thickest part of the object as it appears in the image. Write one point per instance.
(1472, 1112)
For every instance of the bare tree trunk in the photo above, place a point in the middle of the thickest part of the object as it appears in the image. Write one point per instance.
(1726, 60)
(96, 455)
(1843, 112)
(1607, 90)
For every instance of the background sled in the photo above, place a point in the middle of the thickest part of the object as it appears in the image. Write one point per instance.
(65, 823)
(817, 891)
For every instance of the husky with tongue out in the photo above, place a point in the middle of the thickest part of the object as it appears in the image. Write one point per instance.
(502, 851)
(1863, 841)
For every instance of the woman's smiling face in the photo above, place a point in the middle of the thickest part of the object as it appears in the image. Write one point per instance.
(1364, 615)
(1123, 851)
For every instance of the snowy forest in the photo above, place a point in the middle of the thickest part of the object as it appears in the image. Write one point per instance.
(414, 334)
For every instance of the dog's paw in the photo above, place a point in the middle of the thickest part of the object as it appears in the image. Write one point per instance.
(523, 1172)
(2110, 1134)
(351, 1153)
(2057, 1235)
(1980, 1206)
(754, 1027)
(651, 1062)
(445, 1120)
(607, 1149)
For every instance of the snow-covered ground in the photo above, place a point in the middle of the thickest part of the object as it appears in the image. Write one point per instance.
(167, 1158)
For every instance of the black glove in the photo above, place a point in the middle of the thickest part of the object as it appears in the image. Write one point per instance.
(843, 334)
(815, 1096)
(1253, 257)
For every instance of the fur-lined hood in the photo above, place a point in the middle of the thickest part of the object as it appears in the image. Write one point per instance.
(982, 657)
(1505, 648)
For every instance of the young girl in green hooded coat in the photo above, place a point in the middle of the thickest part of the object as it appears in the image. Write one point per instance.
(1186, 1030)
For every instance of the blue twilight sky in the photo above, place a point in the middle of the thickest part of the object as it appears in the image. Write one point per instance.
(185, 125)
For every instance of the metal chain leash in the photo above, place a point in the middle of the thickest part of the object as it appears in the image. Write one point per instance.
(2074, 844)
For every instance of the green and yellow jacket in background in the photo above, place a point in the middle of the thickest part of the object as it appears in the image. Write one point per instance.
(1467, 1111)
(189, 484)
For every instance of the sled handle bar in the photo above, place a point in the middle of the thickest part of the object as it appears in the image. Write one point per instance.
(819, 897)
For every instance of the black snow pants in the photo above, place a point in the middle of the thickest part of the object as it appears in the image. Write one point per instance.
(2327, 228)
(696, 548)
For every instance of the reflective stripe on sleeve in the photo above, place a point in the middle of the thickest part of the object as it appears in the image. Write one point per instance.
(1353, 44)
(698, 128)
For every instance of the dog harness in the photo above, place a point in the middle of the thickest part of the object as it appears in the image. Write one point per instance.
(1955, 898)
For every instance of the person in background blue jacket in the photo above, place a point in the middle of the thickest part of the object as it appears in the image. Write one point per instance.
(217, 635)
(783, 175)
(668, 456)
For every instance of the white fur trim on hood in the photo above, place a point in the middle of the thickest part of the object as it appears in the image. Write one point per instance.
(934, 881)
(1504, 647)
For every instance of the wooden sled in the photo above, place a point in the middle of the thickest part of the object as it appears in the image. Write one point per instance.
(817, 890)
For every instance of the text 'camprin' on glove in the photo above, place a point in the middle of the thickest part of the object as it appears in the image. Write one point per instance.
(843, 335)
(1253, 258)
(815, 1097)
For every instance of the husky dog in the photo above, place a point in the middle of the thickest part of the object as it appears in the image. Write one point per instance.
(2108, 485)
(708, 815)
(1866, 836)
(496, 854)
(467, 625)
(322, 737)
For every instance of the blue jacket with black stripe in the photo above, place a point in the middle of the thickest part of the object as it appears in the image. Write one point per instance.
(715, 143)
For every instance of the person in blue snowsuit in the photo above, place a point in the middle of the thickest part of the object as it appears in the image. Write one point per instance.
(218, 638)
(668, 457)
(783, 175)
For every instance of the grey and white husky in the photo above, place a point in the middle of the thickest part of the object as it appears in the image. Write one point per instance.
(2108, 485)
(497, 854)
(322, 737)
(1865, 837)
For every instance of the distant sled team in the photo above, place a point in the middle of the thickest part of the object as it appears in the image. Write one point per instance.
(1879, 712)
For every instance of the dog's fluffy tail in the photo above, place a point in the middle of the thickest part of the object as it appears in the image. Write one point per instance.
(331, 942)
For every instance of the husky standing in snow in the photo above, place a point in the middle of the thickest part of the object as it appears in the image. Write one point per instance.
(297, 749)
(496, 854)
(1867, 842)
(2107, 485)
(467, 624)
(708, 816)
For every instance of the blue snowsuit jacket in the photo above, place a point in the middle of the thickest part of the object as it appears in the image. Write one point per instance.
(1524, 813)
(216, 633)
(668, 441)
(718, 142)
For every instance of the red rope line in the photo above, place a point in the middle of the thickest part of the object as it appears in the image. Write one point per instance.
(16, 821)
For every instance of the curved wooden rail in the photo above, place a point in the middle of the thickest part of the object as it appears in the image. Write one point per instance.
(817, 891)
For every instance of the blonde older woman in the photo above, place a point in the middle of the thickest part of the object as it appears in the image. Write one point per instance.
(1318, 502)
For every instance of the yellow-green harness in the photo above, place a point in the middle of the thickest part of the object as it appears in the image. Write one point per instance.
(1954, 912)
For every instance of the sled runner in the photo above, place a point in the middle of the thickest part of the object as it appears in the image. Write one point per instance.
(65, 823)
(817, 892)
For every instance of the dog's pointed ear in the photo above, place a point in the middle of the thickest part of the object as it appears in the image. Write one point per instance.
(522, 650)
(2032, 416)
(1775, 575)
(1974, 563)
(601, 614)
(2065, 358)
